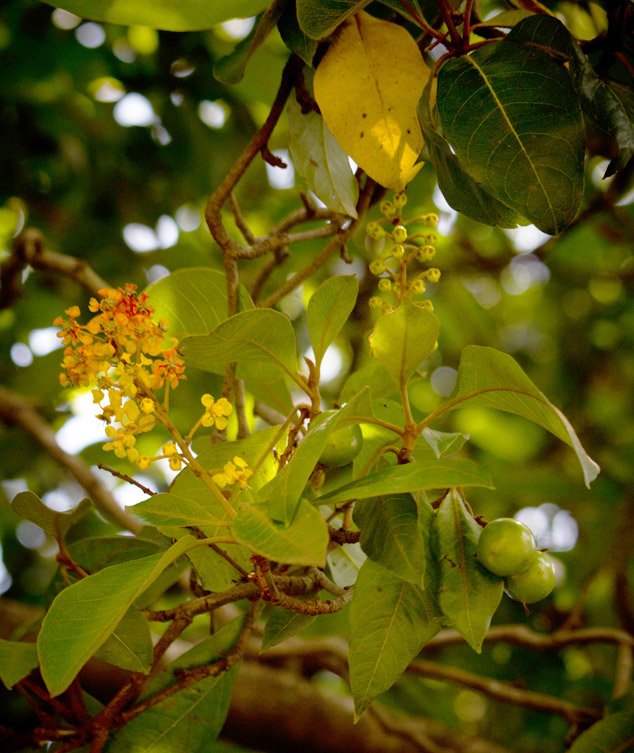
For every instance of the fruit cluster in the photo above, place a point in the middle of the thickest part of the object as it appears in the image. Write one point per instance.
(507, 548)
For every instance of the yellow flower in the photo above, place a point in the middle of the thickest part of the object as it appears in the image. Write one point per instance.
(216, 411)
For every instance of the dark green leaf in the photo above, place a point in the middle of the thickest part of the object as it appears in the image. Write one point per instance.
(319, 18)
(328, 310)
(614, 734)
(283, 624)
(294, 38)
(57, 524)
(17, 661)
(442, 442)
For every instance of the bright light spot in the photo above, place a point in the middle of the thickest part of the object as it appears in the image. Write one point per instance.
(14, 486)
(90, 35)
(65, 20)
(188, 218)
(627, 198)
(58, 500)
(212, 114)
(5, 578)
(30, 535)
(82, 428)
(238, 28)
(446, 215)
(181, 68)
(156, 272)
(128, 494)
(281, 177)
(356, 267)
(21, 354)
(44, 341)
(526, 239)
(443, 380)
(177, 98)
(123, 50)
(565, 532)
(140, 238)
(106, 89)
(555, 529)
(485, 290)
(598, 171)
(331, 364)
(523, 273)
(535, 518)
(134, 110)
(469, 706)
(167, 231)
(143, 39)
(161, 134)
(606, 289)
(353, 165)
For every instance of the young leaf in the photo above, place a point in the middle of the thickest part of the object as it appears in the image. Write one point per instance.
(261, 342)
(390, 621)
(130, 644)
(329, 309)
(303, 542)
(403, 339)
(511, 112)
(367, 87)
(469, 594)
(283, 624)
(320, 160)
(83, 615)
(412, 477)
(442, 442)
(319, 18)
(17, 661)
(57, 524)
(390, 535)
(613, 734)
(163, 14)
(492, 379)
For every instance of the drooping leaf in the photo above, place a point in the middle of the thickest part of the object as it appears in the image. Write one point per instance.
(319, 18)
(512, 114)
(402, 340)
(293, 36)
(468, 594)
(320, 160)
(303, 542)
(613, 734)
(390, 621)
(390, 535)
(163, 14)
(130, 644)
(328, 310)
(492, 379)
(261, 342)
(283, 624)
(17, 661)
(83, 615)
(367, 87)
(57, 524)
(411, 477)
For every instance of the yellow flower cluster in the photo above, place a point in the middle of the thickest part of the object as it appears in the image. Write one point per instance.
(233, 473)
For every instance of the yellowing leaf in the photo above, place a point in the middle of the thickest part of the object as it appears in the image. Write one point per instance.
(367, 87)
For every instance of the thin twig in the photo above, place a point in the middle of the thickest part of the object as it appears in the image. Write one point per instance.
(125, 477)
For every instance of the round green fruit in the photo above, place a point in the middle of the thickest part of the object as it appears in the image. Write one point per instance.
(535, 583)
(506, 547)
(344, 442)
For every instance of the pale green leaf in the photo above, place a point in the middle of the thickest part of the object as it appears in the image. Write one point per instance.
(390, 621)
(171, 510)
(83, 615)
(320, 160)
(344, 562)
(17, 661)
(469, 594)
(319, 18)
(57, 524)
(614, 734)
(130, 644)
(328, 310)
(163, 14)
(375, 437)
(283, 624)
(442, 442)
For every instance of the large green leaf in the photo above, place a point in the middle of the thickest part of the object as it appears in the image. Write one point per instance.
(403, 339)
(512, 115)
(390, 621)
(491, 379)
(320, 160)
(17, 661)
(57, 524)
(390, 535)
(319, 18)
(261, 342)
(163, 14)
(469, 594)
(97, 552)
(412, 477)
(614, 734)
(329, 309)
(83, 615)
(130, 644)
(303, 542)
(172, 510)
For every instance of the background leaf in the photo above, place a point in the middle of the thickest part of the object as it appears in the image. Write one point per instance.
(17, 661)
(319, 18)
(283, 624)
(57, 524)
(328, 310)
(614, 734)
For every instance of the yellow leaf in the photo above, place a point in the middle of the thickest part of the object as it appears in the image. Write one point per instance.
(367, 87)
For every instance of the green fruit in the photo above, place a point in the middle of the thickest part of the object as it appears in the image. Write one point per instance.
(535, 583)
(344, 443)
(506, 547)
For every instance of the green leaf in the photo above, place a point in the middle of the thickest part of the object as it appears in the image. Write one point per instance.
(230, 69)
(375, 437)
(344, 562)
(328, 310)
(320, 160)
(283, 624)
(319, 18)
(57, 524)
(303, 542)
(411, 477)
(294, 38)
(261, 342)
(614, 734)
(442, 442)
(469, 594)
(17, 661)
(403, 339)
(284, 491)
(97, 552)
(130, 644)
(511, 112)
(193, 301)
(83, 615)
(491, 379)
(171, 510)
(390, 535)
(390, 621)
(371, 375)
(163, 14)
